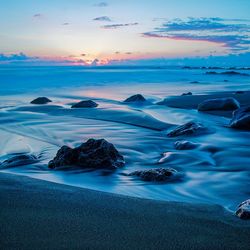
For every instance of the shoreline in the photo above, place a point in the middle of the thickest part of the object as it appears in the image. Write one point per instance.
(38, 214)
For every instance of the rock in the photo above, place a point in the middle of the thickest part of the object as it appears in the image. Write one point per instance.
(188, 93)
(189, 128)
(241, 118)
(195, 82)
(41, 100)
(96, 154)
(156, 175)
(243, 210)
(239, 92)
(219, 104)
(19, 160)
(184, 145)
(135, 98)
(85, 104)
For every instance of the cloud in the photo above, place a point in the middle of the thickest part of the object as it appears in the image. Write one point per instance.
(102, 18)
(232, 33)
(65, 24)
(101, 4)
(38, 15)
(15, 57)
(119, 25)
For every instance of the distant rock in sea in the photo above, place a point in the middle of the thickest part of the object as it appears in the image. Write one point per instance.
(96, 154)
(19, 160)
(229, 73)
(239, 92)
(195, 82)
(190, 128)
(156, 175)
(241, 118)
(41, 100)
(219, 104)
(188, 93)
(85, 104)
(136, 98)
(184, 145)
(243, 210)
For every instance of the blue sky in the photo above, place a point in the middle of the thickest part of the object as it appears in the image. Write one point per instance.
(113, 31)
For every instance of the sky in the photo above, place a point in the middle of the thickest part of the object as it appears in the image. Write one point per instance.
(89, 32)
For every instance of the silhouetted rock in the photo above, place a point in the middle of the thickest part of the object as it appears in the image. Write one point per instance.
(135, 98)
(184, 145)
(229, 73)
(95, 154)
(195, 82)
(41, 100)
(19, 160)
(239, 92)
(85, 104)
(156, 175)
(188, 93)
(241, 118)
(219, 104)
(243, 210)
(190, 128)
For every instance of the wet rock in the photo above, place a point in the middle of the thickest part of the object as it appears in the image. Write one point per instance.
(85, 104)
(184, 145)
(96, 154)
(241, 118)
(188, 93)
(41, 100)
(190, 128)
(219, 104)
(243, 210)
(19, 160)
(135, 98)
(156, 175)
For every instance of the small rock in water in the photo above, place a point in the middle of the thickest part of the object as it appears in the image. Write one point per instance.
(85, 104)
(239, 92)
(241, 118)
(188, 93)
(189, 128)
(184, 145)
(156, 175)
(219, 104)
(97, 154)
(41, 100)
(135, 98)
(243, 210)
(18, 160)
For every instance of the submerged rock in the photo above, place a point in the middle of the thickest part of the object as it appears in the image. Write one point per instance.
(41, 100)
(85, 104)
(195, 82)
(136, 98)
(243, 210)
(184, 145)
(188, 93)
(95, 154)
(156, 175)
(219, 104)
(241, 118)
(189, 128)
(19, 160)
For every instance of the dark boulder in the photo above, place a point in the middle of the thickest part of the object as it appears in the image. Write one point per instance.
(19, 160)
(41, 100)
(96, 154)
(219, 104)
(243, 210)
(188, 93)
(85, 104)
(190, 128)
(135, 98)
(241, 118)
(184, 145)
(156, 175)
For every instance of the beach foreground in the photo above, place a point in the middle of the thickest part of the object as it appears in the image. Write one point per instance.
(44, 215)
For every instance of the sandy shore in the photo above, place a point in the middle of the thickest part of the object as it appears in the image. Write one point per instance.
(37, 214)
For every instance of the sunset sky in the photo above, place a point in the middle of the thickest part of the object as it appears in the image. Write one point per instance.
(96, 32)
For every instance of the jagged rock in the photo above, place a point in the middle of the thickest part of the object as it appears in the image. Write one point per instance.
(156, 175)
(41, 100)
(135, 98)
(184, 145)
(85, 104)
(241, 118)
(189, 128)
(243, 210)
(95, 154)
(219, 104)
(188, 93)
(19, 160)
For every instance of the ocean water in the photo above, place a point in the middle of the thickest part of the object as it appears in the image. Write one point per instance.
(217, 172)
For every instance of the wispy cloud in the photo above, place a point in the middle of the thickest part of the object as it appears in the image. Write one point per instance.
(232, 33)
(65, 24)
(15, 57)
(102, 18)
(119, 25)
(101, 4)
(38, 15)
